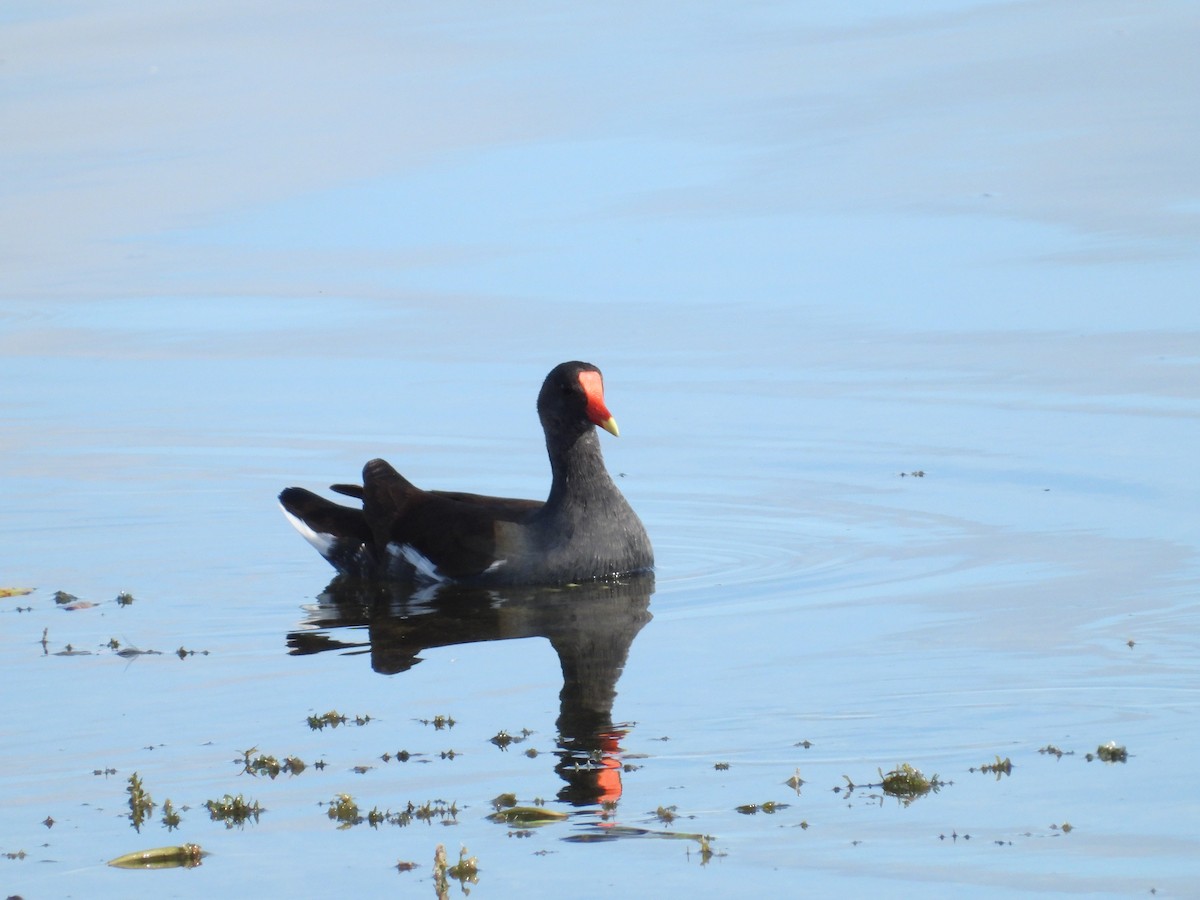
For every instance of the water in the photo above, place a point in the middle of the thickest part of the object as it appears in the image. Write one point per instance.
(814, 253)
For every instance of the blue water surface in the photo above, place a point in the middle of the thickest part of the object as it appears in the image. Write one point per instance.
(896, 309)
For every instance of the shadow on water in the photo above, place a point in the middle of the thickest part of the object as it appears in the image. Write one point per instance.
(590, 626)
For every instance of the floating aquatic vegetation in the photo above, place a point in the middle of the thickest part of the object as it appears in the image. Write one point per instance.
(904, 782)
(184, 653)
(503, 739)
(233, 810)
(706, 850)
(333, 719)
(140, 802)
(1051, 750)
(721, 766)
(344, 810)
(269, 765)
(795, 781)
(1110, 753)
(666, 814)
(529, 816)
(170, 818)
(431, 811)
(465, 871)
(14, 592)
(183, 856)
(70, 601)
(999, 767)
(907, 783)
(439, 722)
(124, 599)
(501, 801)
(770, 808)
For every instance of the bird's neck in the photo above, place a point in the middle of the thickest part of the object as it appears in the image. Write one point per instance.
(577, 466)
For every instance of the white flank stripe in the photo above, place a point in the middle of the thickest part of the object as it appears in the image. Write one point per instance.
(425, 569)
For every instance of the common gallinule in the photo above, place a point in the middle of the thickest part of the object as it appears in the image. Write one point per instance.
(584, 530)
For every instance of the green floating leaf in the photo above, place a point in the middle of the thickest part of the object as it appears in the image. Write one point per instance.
(527, 815)
(184, 856)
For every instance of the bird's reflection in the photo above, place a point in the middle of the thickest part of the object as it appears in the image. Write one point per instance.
(591, 627)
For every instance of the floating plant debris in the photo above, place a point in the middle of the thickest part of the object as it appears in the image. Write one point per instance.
(1110, 753)
(140, 802)
(501, 801)
(1051, 750)
(269, 765)
(344, 810)
(999, 767)
(527, 815)
(503, 739)
(170, 818)
(908, 783)
(233, 810)
(464, 871)
(333, 719)
(184, 856)
(770, 807)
